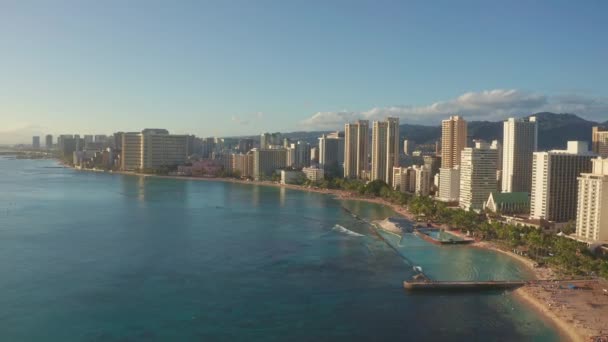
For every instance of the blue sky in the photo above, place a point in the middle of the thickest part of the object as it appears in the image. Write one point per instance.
(243, 67)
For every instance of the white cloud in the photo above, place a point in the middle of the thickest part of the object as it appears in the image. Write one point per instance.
(485, 105)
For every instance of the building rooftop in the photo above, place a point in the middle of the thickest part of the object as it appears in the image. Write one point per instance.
(510, 197)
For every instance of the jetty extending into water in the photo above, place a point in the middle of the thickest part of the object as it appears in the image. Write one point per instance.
(462, 285)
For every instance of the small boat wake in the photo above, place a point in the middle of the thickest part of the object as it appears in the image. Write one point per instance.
(343, 230)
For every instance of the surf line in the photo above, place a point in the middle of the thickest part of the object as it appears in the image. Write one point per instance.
(345, 230)
(375, 230)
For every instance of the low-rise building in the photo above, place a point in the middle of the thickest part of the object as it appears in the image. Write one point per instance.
(314, 174)
(292, 177)
(201, 168)
(508, 203)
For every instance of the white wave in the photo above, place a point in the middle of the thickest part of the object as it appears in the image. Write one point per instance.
(346, 231)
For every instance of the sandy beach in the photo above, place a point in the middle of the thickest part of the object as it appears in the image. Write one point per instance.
(578, 314)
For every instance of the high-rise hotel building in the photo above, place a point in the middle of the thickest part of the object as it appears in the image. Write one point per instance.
(49, 141)
(592, 210)
(477, 175)
(520, 141)
(449, 184)
(331, 153)
(36, 142)
(243, 163)
(599, 139)
(152, 149)
(267, 161)
(385, 149)
(453, 140)
(356, 149)
(554, 181)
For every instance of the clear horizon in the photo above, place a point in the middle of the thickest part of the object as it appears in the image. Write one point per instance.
(241, 68)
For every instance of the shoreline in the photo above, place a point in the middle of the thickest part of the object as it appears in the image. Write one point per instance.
(338, 194)
(542, 307)
(575, 307)
(564, 328)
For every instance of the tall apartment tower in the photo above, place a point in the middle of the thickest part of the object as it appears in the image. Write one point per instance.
(554, 181)
(379, 133)
(408, 147)
(49, 141)
(131, 151)
(520, 140)
(599, 139)
(385, 149)
(356, 149)
(245, 145)
(592, 209)
(331, 153)
(302, 153)
(423, 180)
(477, 175)
(270, 140)
(449, 184)
(117, 143)
(314, 155)
(36, 142)
(243, 163)
(453, 140)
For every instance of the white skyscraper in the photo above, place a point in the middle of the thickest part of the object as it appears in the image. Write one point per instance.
(477, 175)
(449, 184)
(592, 204)
(408, 147)
(423, 180)
(385, 149)
(554, 181)
(520, 140)
(356, 149)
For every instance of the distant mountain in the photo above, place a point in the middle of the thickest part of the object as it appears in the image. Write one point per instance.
(554, 130)
(420, 134)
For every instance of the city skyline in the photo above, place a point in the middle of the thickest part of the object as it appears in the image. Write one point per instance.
(288, 68)
(286, 170)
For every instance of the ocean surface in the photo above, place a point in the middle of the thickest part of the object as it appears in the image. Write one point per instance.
(101, 257)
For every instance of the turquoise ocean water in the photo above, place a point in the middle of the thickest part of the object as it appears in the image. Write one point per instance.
(100, 257)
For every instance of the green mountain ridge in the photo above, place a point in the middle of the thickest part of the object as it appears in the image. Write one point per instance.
(554, 130)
